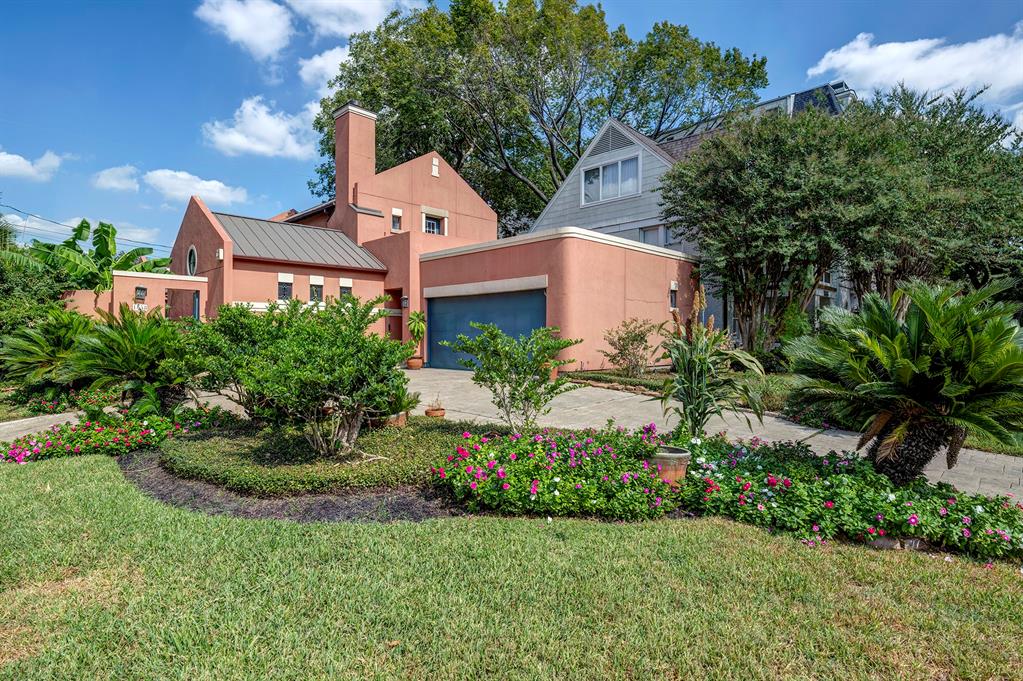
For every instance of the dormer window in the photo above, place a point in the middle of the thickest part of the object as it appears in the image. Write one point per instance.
(611, 181)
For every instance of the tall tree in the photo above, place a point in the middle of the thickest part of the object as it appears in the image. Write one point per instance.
(764, 202)
(511, 96)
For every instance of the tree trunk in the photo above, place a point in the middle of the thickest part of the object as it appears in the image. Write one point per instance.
(921, 444)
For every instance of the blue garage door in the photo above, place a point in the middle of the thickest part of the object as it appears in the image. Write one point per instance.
(514, 313)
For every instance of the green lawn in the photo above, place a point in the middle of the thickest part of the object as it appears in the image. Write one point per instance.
(10, 410)
(97, 581)
(273, 463)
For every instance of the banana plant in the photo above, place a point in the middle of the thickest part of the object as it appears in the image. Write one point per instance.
(92, 268)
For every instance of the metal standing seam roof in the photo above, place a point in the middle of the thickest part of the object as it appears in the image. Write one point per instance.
(257, 238)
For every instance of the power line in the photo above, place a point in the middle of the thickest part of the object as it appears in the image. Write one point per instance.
(61, 224)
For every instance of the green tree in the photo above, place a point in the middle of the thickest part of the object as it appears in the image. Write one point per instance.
(92, 268)
(511, 96)
(517, 371)
(765, 202)
(951, 366)
(939, 191)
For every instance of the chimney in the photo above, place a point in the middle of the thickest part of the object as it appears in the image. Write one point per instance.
(355, 149)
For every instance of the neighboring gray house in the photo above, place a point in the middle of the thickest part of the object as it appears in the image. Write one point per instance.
(615, 186)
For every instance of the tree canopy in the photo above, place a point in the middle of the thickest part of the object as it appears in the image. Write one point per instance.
(902, 186)
(512, 95)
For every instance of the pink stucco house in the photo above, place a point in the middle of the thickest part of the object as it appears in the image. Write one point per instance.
(420, 236)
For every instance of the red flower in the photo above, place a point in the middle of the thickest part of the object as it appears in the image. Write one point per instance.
(829, 504)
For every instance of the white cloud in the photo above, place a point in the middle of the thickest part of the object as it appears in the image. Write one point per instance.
(119, 178)
(29, 227)
(933, 64)
(177, 185)
(256, 129)
(40, 170)
(260, 26)
(319, 69)
(341, 18)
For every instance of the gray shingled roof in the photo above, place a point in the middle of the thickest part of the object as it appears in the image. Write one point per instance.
(257, 238)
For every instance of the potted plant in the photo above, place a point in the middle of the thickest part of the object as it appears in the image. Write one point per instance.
(417, 330)
(672, 462)
(435, 409)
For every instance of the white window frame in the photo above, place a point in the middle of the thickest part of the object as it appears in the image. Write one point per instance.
(443, 224)
(600, 181)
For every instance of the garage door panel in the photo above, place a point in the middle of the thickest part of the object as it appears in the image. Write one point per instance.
(514, 313)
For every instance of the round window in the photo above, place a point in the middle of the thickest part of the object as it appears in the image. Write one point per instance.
(192, 261)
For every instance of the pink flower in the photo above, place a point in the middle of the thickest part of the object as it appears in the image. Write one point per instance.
(816, 528)
(506, 486)
(491, 463)
(829, 504)
(913, 519)
(942, 511)
(500, 473)
(512, 456)
(787, 482)
(966, 520)
(472, 485)
(871, 530)
(966, 532)
(466, 435)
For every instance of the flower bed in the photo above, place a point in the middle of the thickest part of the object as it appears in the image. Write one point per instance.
(785, 486)
(113, 436)
(70, 401)
(591, 473)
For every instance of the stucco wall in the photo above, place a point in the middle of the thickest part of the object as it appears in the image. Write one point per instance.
(158, 290)
(200, 228)
(591, 286)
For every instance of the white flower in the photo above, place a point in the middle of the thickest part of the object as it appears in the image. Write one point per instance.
(774, 504)
(557, 493)
(696, 441)
(701, 460)
(891, 497)
(549, 520)
(978, 509)
(533, 497)
(557, 479)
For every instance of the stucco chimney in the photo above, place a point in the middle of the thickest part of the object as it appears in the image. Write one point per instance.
(355, 149)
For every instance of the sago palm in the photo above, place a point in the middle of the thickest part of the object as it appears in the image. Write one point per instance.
(915, 383)
(134, 352)
(35, 355)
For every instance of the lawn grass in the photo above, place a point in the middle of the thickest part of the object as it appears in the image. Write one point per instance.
(97, 581)
(11, 410)
(277, 462)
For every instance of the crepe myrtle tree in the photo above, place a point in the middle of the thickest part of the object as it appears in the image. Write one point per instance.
(329, 373)
(518, 371)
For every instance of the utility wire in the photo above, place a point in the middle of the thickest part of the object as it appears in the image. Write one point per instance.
(66, 227)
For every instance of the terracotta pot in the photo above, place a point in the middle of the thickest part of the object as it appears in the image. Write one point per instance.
(435, 413)
(415, 363)
(397, 421)
(674, 462)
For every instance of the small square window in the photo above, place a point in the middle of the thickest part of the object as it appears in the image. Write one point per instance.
(673, 299)
(346, 291)
(283, 290)
(433, 225)
(315, 293)
(395, 223)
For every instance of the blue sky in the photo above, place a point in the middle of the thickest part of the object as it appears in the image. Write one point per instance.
(118, 111)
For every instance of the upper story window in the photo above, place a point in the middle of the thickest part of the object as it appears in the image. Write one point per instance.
(433, 225)
(192, 261)
(395, 223)
(611, 180)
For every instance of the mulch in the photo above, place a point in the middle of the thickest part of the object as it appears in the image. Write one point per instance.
(408, 503)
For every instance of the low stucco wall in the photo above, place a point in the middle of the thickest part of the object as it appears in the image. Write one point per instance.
(158, 290)
(592, 284)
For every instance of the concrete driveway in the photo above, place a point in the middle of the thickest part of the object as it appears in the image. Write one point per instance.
(591, 407)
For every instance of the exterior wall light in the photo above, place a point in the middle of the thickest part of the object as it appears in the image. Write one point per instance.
(140, 292)
(404, 301)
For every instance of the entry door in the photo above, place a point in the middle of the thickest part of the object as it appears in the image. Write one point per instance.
(514, 313)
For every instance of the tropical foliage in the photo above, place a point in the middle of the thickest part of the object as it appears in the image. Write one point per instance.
(134, 353)
(510, 95)
(703, 383)
(92, 268)
(517, 371)
(35, 356)
(918, 372)
(603, 473)
(328, 374)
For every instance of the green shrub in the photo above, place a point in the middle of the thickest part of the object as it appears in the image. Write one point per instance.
(630, 346)
(918, 373)
(787, 487)
(590, 473)
(516, 371)
(703, 380)
(650, 381)
(71, 400)
(328, 373)
(37, 356)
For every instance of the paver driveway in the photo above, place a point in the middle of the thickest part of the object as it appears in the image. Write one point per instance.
(586, 407)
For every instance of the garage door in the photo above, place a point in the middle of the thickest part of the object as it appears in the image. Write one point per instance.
(514, 313)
